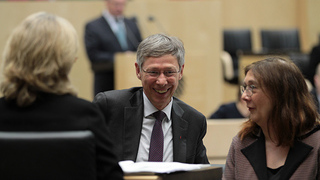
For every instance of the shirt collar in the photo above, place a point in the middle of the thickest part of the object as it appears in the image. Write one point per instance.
(149, 109)
(109, 17)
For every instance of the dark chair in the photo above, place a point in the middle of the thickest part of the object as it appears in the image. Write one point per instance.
(236, 41)
(280, 41)
(301, 60)
(47, 155)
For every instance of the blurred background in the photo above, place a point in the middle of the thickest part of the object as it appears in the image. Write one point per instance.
(220, 37)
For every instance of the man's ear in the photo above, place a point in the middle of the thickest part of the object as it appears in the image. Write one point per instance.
(137, 71)
(181, 72)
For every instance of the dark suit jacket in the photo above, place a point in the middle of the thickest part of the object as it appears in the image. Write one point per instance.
(123, 110)
(247, 159)
(64, 113)
(314, 60)
(227, 111)
(315, 98)
(101, 45)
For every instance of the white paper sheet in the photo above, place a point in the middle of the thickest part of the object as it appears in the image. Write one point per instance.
(158, 167)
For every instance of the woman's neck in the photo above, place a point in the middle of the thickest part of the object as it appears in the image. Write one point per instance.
(275, 155)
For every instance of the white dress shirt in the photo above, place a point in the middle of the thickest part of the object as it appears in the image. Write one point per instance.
(147, 126)
(112, 20)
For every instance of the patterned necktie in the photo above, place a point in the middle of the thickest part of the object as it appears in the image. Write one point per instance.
(121, 35)
(156, 143)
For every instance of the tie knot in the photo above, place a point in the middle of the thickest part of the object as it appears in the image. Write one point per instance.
(159, 115)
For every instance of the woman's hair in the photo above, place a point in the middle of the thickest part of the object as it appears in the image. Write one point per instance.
(158, 45)
(294, 111)
(38, 57)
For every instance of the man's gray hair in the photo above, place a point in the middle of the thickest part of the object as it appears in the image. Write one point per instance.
(158, 45)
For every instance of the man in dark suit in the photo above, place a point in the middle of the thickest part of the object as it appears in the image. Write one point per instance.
(316, 89)
(314, 60)
(105, 36)
(130, 112)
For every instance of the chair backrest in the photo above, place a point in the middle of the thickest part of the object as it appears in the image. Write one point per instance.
(280, 40)
(301, 60)
(237, 39)
(227, 66)
(47, 155)
(234, 41)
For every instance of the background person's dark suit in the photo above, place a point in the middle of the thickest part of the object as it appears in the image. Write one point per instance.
(227, 111)
(314, 60)
(64, 113)
(315, 98)
(123, 110)
(101, 45)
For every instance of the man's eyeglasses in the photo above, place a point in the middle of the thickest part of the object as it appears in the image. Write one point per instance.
(247, 89)
(154, 73)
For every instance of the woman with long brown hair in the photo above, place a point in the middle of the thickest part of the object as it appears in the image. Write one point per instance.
(281, 139)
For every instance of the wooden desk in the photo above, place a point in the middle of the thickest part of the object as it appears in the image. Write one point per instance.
(209, 173)
(142, 177)
(219, 138)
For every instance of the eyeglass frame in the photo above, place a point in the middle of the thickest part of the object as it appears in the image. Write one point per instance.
(248, 89)
(167, 74)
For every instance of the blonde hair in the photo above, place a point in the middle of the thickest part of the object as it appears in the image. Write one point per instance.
(38, 57)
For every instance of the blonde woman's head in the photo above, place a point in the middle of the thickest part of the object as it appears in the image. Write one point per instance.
(38, 57)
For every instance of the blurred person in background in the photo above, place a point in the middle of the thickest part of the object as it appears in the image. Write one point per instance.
(316, 89)
(314, 60)
(233, 110)
(104, 37)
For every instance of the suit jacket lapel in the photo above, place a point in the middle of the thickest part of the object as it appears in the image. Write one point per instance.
(256, 155)
(179, 131)
(295, 157)
(129, 35)
(108, 29)
(133, 119)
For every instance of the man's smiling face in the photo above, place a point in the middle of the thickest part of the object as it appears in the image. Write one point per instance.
(160, 88)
